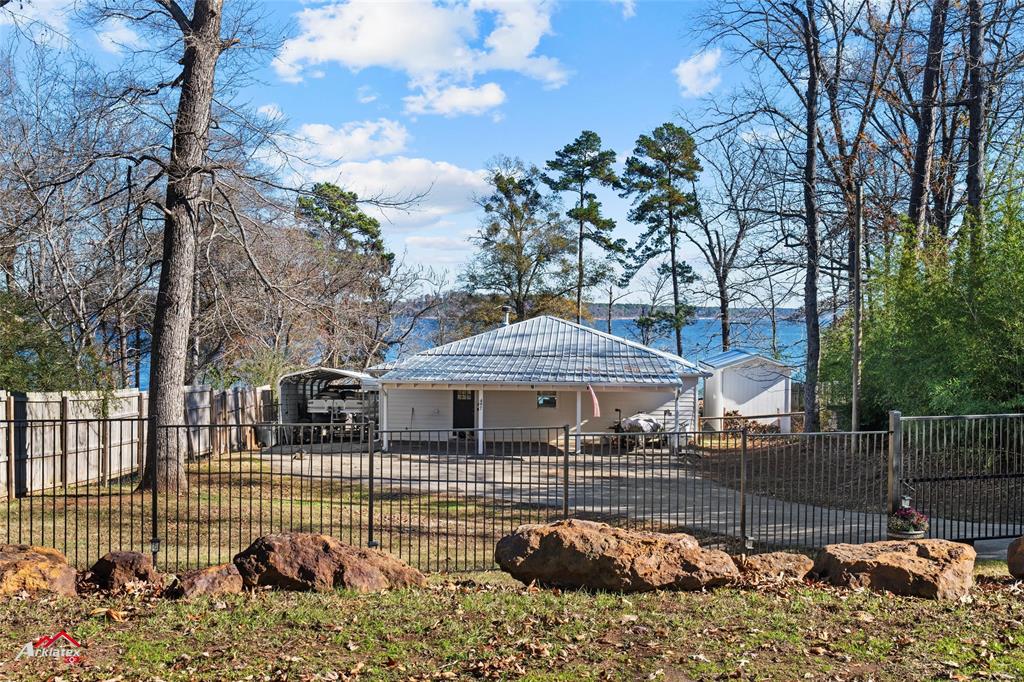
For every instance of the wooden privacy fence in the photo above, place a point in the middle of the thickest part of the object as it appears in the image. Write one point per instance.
(74, 438)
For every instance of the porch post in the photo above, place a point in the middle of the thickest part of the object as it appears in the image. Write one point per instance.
(579, 417)
(675, 421)
(480, 422)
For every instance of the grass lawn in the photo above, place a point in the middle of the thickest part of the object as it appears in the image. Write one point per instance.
(485, 626)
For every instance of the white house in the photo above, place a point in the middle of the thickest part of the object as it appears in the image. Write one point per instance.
(541, 372)
(750, 384)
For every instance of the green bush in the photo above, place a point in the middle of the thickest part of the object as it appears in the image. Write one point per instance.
(943, 328)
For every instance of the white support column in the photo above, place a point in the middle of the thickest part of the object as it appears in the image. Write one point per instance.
(675, 421)
(384, 418)
(579, 417)
(480, 422)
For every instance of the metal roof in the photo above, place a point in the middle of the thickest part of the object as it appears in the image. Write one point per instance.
(543, 350)
(736, 356)
(329, 374)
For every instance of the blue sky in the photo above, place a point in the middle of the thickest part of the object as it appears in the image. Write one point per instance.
(405, 97)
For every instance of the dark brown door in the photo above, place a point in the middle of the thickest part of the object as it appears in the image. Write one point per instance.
(463, 409)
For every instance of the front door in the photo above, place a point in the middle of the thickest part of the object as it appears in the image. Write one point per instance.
(463, 409)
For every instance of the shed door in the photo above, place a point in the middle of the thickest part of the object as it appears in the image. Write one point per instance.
(463, 409)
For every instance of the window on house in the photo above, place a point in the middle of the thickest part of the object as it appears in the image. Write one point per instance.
(547, 399)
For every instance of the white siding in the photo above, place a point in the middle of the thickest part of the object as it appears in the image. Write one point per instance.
(413, 408)
(756, 387)
(410, 409)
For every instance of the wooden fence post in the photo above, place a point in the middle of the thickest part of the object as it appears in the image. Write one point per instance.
(64, 441)
(213, 424)
(140, 433)
(104, 451)
(10, 447)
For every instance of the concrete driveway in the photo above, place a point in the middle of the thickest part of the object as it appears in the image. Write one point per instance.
(655, 490)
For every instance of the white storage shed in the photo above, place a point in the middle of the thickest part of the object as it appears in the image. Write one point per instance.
(750, 384)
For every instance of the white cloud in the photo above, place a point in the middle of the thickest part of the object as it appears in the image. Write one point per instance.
(115, 35)
(365, 94)
(443, 189)
(628, 8)
(271, 111)
(437, 243)
(455, 100)
(438, 46)
(42, 18)
(357, 140)
(435, 247)
(698, 75)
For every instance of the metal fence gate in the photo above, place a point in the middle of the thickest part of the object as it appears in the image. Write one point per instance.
(965, 472)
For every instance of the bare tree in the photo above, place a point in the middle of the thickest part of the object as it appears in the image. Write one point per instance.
(732, 213)
(925, 148)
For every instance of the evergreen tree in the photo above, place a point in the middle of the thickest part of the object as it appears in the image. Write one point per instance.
(333, 215)
(659, 177)
(524, 244)
(576, 168)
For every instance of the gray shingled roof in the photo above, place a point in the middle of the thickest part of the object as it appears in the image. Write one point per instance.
(543, 350)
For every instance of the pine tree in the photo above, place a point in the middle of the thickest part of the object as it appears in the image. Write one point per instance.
(576, 168)
(659, 177)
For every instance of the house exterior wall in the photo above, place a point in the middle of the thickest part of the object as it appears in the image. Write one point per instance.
(415, 408)
(411, 409)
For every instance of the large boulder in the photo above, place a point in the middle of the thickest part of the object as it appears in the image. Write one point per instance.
(585, 554)
(935, 569)
(775, 566)
(35, 570)
(308, 561)
(1015, 558)
(115, 570)
(214, 581)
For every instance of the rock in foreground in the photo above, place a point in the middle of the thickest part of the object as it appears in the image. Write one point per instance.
(214, 581)
(116, 569)
(308, 561)
(36, 570)
(585, 554)
(935, 569)
(1015, 558)
(775, 566)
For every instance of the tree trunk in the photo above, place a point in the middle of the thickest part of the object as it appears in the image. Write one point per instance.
(672, 239)
(976, 122)
(579, 266)
(924, 150)
(855, 304)
(166, 448)
(723, 313)
(609, 314)
(811, 224)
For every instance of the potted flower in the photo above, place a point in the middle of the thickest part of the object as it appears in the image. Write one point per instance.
(907, 524)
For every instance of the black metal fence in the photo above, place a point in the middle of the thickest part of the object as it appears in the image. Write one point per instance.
(965, 472)
(440, 499)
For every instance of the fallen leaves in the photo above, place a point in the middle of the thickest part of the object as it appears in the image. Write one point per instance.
(108, 613)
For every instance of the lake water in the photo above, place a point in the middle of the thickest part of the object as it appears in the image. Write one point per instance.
(702, 338)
